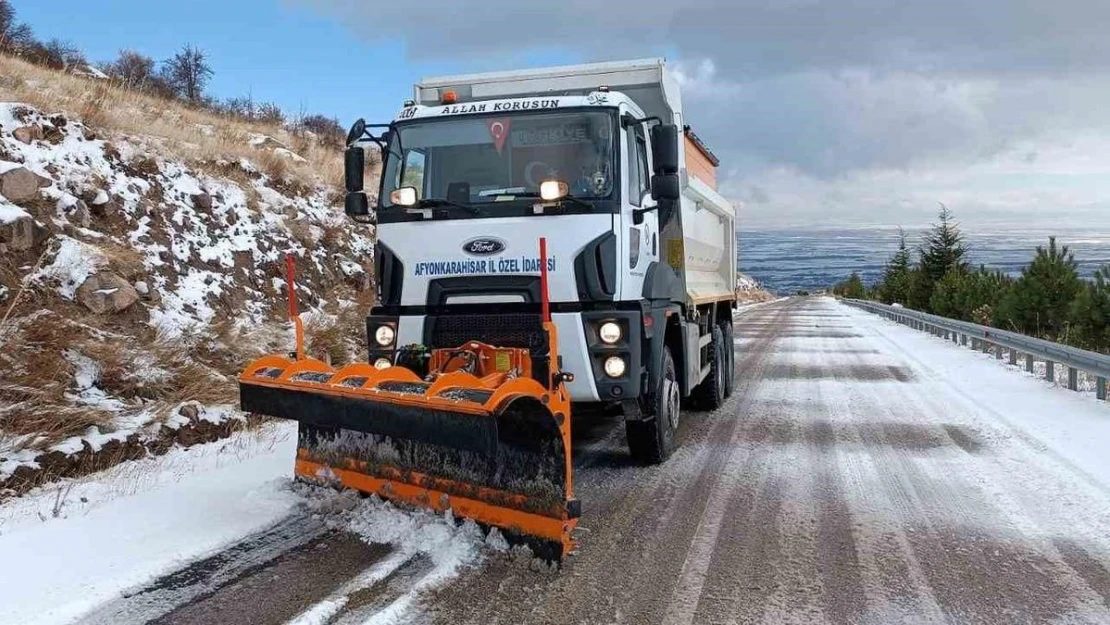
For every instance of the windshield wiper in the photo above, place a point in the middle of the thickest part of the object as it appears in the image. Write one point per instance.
(434, 202)
(566, 198)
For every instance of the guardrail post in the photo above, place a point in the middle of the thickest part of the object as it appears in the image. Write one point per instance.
(1029, 363)
(1073, 378)
(1100, 388)
(1050, 371)
(998, 352)
(1013, 356)
(986, 347)
(963, 340)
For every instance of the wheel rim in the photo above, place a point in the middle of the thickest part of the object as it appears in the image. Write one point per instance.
(672, 400)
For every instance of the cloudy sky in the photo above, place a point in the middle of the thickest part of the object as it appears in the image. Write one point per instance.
(865, 111)
(824, 112)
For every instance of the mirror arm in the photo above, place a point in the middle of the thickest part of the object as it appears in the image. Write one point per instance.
(638, 213)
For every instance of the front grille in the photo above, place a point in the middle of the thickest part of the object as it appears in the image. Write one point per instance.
(503, 330)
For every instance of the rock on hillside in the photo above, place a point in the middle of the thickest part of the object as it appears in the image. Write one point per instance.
(134, 282)
(749, 290)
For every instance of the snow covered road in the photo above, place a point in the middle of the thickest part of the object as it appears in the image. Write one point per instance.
(862, 472)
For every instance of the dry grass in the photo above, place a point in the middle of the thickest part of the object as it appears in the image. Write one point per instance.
(194, 135)
(339, 339)
(154, 375)
(33, 387)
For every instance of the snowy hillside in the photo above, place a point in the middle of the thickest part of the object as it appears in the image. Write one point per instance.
(748, 290)
(135, 284)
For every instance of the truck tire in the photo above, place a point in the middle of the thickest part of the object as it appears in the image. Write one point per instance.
(651, 440)
(730, 359)
(710, 394)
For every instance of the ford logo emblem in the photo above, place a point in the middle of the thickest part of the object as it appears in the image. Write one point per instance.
(484, 246)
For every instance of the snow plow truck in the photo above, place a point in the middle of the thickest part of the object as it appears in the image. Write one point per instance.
(549, 241)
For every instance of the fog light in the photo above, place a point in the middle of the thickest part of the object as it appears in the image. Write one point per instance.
(382, 363)
(609, 332)
(384, 335)
(615, 366)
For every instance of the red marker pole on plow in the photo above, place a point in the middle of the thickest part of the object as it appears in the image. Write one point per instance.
(294, 316)
(544, 299)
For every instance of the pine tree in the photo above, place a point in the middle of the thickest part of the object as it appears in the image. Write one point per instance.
(943, 250)
(1041, 300)
(851, 288)
(971, 295)
(895, 283)
(1090, 313)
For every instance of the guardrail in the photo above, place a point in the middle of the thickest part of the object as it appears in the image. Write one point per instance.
(987, 339)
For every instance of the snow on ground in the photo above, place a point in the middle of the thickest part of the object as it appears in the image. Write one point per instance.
(73, 263)
(80, 543)
(1072, 427)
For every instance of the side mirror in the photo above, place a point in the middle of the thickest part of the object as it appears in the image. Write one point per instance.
(354, 167)
(665, 188)
(356, 131)
(357, 207)
(664, 149)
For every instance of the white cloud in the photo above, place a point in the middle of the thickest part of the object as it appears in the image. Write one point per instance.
(840, 109)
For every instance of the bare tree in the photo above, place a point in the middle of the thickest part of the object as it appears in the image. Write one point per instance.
(242, 108)
(187, 74)
(57, 54)
(7, 17)
(270, 113)
(132, 69)
(327, 129)
(17, 38)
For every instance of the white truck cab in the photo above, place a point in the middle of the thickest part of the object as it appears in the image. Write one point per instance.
(641, 247)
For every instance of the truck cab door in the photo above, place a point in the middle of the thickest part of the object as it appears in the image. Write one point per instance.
(642, 239)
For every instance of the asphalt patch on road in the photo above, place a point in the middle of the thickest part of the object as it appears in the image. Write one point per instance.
(802, 333)
(1086, 566)
(831, 351)
(828, 435)
(284, 588)
(977, 578)
(964, 438)
(855, 373)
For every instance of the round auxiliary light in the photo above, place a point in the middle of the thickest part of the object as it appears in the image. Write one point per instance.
(384, 335)
(382, 363)
(609, 332)
(405, 196)
(551, 190)
(615, 366)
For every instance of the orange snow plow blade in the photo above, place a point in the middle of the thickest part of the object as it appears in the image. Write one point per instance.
(485, 434)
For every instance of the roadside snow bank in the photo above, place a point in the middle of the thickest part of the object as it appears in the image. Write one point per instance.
(83, 542)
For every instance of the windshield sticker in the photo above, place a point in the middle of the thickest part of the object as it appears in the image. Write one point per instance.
(473, 267)
(499, 131)
(564, 134)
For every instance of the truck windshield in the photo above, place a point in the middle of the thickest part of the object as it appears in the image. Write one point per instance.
(481, 160)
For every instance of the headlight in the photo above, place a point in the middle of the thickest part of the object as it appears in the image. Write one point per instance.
(609, 332)
(384, 335)
(615, 366)
(382, 363)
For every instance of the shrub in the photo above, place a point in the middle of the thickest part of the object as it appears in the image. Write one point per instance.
(1040, 302)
